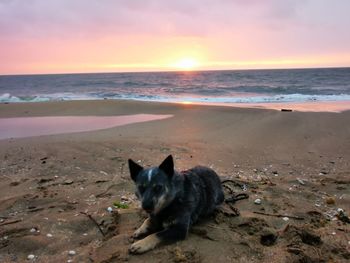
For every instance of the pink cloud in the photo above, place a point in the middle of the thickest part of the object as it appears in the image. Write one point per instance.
(228, 29)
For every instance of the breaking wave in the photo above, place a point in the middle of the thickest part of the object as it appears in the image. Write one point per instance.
(256, 98)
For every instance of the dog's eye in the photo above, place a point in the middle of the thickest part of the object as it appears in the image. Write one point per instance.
(157, 188)
(142, 189)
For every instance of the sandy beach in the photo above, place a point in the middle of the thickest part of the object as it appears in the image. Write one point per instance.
(296, 163)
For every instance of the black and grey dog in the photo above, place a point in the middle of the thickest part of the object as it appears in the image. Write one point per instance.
(174, 201)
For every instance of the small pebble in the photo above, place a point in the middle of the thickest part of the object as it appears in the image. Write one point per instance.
(85, 234)
(300, 181)
(340, 210)
(32, 230)
(257, 201)
(49, 235)
(333, 233)
(71, 252)
(110, 209)
(330, 200)
(30, 257)
(92, 198)
(285, 218)
(68, 181)
(69, 260)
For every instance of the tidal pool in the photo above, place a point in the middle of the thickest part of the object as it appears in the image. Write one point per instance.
(20, 127)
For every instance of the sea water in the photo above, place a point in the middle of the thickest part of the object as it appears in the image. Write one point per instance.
(210, 87)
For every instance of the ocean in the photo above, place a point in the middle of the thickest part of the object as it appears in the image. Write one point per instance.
(226, 86)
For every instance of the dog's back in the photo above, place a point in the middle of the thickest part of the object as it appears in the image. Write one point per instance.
(203, 191)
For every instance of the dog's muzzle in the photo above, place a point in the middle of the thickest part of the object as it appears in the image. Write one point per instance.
(148, 207)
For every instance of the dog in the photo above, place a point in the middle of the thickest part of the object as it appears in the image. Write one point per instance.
(173, 201)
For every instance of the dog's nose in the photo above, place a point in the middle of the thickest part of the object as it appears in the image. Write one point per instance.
(147, 206)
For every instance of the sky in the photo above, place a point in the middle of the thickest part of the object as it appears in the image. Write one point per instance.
(60, 36)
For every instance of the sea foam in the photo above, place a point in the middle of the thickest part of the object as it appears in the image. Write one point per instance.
(176, 99)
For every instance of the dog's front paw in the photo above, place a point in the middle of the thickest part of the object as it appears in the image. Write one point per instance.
(139, 232)
(139, 247)
(144, 245)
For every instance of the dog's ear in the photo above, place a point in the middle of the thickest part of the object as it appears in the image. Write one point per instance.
(135, 169)
(168, 166)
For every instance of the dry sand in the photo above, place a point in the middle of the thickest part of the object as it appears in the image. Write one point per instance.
(297, 163)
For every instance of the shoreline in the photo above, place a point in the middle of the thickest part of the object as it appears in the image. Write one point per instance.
(312, 106)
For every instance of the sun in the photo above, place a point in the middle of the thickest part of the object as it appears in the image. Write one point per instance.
(186, 64)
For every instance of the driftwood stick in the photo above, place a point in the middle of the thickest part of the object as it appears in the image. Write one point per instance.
(105, 191)
(269, 179)
(10, 222)
(95, 222)
(229, 188)
(231, 181)
(278, 215)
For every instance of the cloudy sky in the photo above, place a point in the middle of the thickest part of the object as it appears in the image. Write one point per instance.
(55, 36)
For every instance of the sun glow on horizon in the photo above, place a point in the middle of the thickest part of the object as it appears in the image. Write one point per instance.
(186, 64)
(186, 102)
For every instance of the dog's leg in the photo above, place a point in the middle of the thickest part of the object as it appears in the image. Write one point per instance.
(144, 229)
(174, 233)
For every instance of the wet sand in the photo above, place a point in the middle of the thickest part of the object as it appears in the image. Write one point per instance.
(311, 106)
(20, 127)
(297, 163)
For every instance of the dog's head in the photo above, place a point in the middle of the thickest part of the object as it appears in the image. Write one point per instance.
(154, 185)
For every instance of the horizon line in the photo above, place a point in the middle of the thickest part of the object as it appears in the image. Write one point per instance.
(172, 71)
